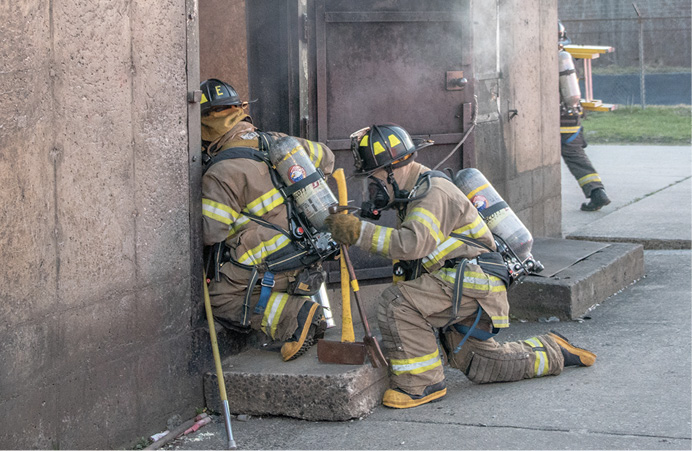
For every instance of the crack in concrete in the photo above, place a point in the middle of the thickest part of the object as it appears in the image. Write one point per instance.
(637, 199)
(546, 429)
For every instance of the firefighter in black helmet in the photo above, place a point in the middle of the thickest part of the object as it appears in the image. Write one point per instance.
(243, 216)
(442, 246)
(572, 132)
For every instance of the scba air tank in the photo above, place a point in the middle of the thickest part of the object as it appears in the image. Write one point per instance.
(570, 94)
(293, 164)
(499, 217)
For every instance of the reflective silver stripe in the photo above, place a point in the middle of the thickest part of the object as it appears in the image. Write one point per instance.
(218, 211)
(259, 253)
(265, 203)
(416, 365)
(428, 220)
(541, 365)
(441, 252)
(475, 230)
(272, 313)
(588, 178)
(381, 239)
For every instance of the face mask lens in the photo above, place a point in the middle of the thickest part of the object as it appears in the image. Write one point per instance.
(378, 193)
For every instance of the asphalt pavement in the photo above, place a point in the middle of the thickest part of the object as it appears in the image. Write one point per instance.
(636, 396)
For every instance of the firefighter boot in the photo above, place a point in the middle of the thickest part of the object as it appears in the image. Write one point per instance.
(311, 327)
(399, 399)
(598, 199)
(573, 356)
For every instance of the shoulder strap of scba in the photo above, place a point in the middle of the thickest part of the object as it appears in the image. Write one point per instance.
(235, 153)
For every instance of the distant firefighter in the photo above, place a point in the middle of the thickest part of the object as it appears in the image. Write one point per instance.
(572, 132)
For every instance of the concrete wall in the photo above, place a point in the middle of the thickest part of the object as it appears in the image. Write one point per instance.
(95, 293)
(515, 57)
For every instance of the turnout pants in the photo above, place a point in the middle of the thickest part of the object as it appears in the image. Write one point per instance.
(279, 320)
(572, 149)
(409, 314)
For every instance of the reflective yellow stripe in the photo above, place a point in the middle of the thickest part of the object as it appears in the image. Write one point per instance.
(500, 322)
(272, 313)
(447, 274)
(219, 212)
(473, 280)
(588, 178)
(293, 151)
(540, 366)
(316, 153)
(265, 203)
(441, 252)
(416, 365)
(235, 228)
(574, 129)
(480, 188)
(476, 229)
(482, 281)
(428, 220)
(257, 254)
(381, 239)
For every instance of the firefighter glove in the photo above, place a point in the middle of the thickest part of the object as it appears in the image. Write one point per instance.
(345, 229)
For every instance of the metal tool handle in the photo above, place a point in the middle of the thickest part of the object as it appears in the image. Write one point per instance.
(377, 358)
(217, 363)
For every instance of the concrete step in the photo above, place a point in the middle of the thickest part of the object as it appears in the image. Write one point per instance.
(258, 382)
(578, 275)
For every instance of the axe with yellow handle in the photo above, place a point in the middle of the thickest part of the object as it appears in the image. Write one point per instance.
(347, 334)
(349, 352)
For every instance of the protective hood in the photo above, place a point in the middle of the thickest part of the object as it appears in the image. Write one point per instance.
(217, 124)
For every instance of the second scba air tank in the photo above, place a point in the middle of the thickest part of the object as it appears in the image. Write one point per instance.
(500, 218)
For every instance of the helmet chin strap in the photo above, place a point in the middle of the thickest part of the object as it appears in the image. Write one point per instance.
(401, 197)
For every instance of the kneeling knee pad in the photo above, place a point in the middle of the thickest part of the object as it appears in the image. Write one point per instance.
(485, 367)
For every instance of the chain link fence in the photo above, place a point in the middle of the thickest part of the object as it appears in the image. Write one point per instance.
(651, 61)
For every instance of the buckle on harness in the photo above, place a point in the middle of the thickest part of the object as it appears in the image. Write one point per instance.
(268, 281)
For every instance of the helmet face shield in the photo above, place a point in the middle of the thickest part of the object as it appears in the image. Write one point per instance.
(356, 137)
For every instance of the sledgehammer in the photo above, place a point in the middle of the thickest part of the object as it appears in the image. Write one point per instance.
(347, 351)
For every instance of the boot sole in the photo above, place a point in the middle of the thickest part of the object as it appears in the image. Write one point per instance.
(401, 401)
(304, 342)
(586, 207)
(587, 358)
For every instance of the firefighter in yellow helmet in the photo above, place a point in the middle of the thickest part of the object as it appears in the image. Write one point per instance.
(572, 140)
(442, 245)
(245, 221)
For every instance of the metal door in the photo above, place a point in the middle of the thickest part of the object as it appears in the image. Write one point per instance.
(325, 68)
(392, 61)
